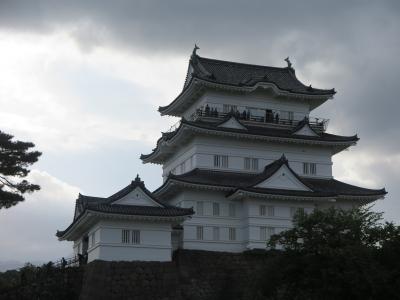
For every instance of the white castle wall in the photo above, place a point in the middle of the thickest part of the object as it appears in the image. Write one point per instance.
(247, 220)
(155, 241)
(199, 153)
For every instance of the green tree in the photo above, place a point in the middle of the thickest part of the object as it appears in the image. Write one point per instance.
(15, 158)
(334, 254)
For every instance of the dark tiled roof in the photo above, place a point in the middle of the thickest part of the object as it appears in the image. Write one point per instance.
(246, 75)
(240, 74)
(247, 181)
(136, 210)
(273, 132)
(257, 130)
(104, 205)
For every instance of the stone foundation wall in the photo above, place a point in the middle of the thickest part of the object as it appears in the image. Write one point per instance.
(195, 275)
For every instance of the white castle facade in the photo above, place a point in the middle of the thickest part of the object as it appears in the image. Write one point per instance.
(245, 156)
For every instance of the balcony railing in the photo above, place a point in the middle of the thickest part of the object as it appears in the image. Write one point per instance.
(269, 119)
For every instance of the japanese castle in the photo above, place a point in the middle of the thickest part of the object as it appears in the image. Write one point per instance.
(244, 157)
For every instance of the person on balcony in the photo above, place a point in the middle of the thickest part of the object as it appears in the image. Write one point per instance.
(277, 118)
(207, 111)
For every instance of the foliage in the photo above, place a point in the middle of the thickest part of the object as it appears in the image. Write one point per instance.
(15, 158)
(334, 254)
(44, 282)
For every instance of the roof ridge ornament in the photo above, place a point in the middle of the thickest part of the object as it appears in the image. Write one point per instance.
(195, 49)
(289, 63)
(137, 180)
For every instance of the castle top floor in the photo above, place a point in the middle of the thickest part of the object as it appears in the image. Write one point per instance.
(230, 87)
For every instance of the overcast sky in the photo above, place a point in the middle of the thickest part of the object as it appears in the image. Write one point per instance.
(83, 80)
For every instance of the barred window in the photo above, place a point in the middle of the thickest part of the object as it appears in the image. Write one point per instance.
(250, 163)
(135, 237)
(262, 210)
(199, 208)
(266, 233)
(270, 232)
(125, 236)
(309, 168)
(232, 210)
(263, 233)
(92, 239)
(183, 167)
(271, 211)
(216, 233)
(228, 108)
(221, 161)
(294, 210)
(191, 162)
(199, 232)
(232, 234)
(215, 209)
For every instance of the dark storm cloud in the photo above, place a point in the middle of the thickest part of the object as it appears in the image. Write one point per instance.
(358, 43)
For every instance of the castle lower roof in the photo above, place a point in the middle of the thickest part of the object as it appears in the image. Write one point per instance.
(233, 182)
(338, 142)
(88, 206)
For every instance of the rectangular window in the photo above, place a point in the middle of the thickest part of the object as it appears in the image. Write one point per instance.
(309, 168)
(270, 232)
(262, 210)
(263, 233)
(271, 211)
(125, 236)
(228, 108)
(294, 210)
(135, 237)
(266, 233)
(92, 239)
(216, 233)
(199, 232)
(247, 163)
(221, 161)
(250, 163)
(254, 163)
(215, 209)
(183, 167)
(232, 234)
(199, 208)
(232, 210)
(191, 162)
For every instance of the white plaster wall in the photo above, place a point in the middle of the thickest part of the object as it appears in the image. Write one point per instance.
(247, 221)
(261, 100)
(189, 198)
(183, 155)
(155, 241)
(204, 148)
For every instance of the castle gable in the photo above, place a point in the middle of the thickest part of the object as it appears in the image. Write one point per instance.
(233, 123)
(137, 197)
(283, 179)
(306, 130)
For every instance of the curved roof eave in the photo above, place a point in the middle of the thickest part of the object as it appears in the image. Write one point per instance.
(150, 158)
(196, 81)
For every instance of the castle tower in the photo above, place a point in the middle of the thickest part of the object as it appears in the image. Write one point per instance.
(246, 155)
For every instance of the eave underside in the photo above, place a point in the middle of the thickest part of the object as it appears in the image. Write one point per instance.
(168, 144)
(237, 184)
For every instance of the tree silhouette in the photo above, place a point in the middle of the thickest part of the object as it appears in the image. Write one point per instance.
(15, 158)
